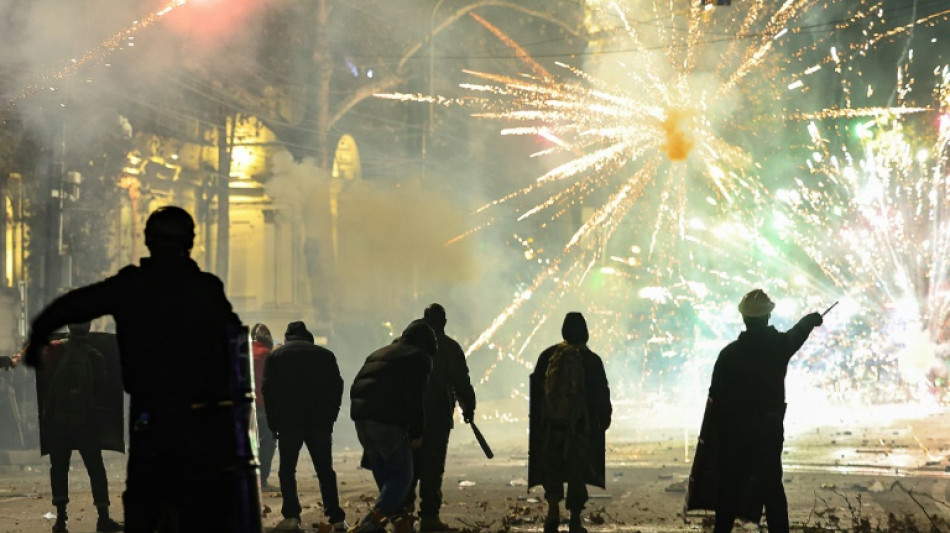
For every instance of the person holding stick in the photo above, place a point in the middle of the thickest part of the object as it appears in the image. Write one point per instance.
(747, 403)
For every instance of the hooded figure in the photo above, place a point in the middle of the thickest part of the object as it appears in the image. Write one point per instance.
(386, 402)
(568, 447)
(738, 464)
(79, 395)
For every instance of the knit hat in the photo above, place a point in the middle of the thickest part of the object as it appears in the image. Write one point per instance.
(421, 335)
(756, 304)
(574, 329)
(297, 331)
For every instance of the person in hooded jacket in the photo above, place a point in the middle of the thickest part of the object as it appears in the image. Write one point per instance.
(79, 426)
(303, 391)
(449, 381)
(574, 453)
(262, 343)
(747, 402)
(181, 443)
(386, 403)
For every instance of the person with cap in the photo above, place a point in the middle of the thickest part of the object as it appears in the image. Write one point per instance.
(747, 406)
(386, 403)
(570, 411)
(448, 382)
(262, 343)
(303, 391)
(181, 466)
(70, 389)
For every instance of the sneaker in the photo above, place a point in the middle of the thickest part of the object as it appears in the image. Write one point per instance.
(107, 524)
(269, 488)
(60, 526)
(551, 525)
(288, 524)
(340, 527)
(576, 525)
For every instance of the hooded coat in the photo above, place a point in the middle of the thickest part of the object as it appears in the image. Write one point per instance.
(599, 408)
(390, 386)
(108, 406)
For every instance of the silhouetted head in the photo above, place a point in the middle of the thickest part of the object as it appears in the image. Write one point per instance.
(260, 333)
(574, 329)
(434, 315)
(756, 308)
(169, 230)
(420, 335)
(79, 329)
(297, 331)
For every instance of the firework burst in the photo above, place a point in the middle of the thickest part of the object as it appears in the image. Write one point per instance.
(665, 131)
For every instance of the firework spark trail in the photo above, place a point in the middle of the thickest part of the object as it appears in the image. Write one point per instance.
(102, 50)
(833, 113)
(522, 54)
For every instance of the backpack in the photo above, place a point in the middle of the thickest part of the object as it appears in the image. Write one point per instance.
(72, 386)
(565, 398)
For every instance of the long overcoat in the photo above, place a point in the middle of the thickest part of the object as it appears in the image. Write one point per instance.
(599, 412)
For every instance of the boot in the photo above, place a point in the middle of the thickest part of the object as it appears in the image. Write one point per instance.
(402, 524)
(60, 525)
(431, 524)
(554, 517)
(374, 522)
(575, 525)
(105, 524)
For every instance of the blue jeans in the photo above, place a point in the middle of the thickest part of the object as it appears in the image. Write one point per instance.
(387, 453)
(267, 443)
(319, 444)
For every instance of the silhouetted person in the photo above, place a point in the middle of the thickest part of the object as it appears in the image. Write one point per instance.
(570, 412)
(173, 324)
(262, 342)
(448, 382)
(747, 399)
(386, 402)
(72, 383)
(303, 391)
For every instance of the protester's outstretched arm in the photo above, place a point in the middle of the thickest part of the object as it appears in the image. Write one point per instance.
(79, 305)
(799, 333)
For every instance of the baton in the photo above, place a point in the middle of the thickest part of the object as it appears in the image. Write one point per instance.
(481, 441)
(829, 309)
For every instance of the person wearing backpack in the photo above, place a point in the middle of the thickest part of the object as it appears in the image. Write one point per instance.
(70, 388)
(570, 412)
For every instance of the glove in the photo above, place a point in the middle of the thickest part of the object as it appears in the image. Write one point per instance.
(468, 416)
(814, 319)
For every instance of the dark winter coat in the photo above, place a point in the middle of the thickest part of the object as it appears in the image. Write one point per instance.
(449, 381)
(107, 414)
(173, 323)
(302, 387)
(390, 386)
(599, 412)
(748, 389)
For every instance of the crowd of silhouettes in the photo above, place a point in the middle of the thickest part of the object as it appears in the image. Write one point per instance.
(184, 471)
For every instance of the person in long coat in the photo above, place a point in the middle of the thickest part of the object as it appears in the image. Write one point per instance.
(745, 415)
(572, 455)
